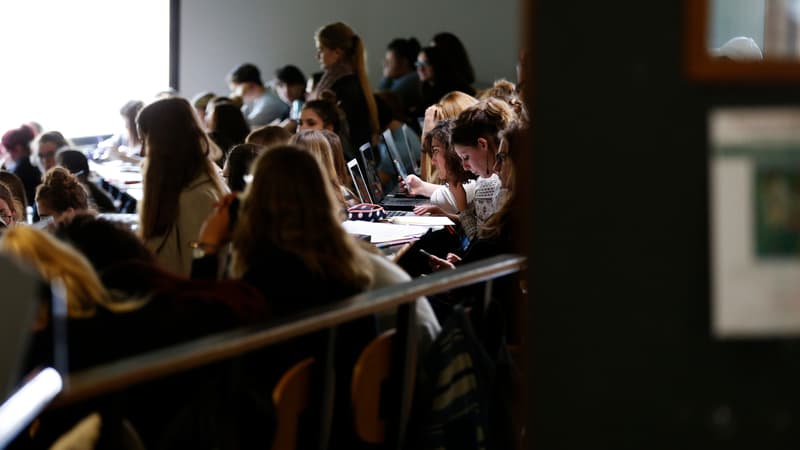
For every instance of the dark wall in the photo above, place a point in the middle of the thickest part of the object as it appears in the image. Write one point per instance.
(620, 352)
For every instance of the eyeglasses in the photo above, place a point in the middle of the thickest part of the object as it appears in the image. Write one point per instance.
(421, 64)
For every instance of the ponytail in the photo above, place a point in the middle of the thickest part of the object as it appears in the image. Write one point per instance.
(358, 59)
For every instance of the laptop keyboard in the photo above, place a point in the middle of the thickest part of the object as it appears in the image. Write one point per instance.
(395, 213)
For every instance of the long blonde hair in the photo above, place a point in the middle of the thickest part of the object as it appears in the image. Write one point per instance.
(177, 151)
(316, 142)
(340, 36)
(55, 260)
(290, 206)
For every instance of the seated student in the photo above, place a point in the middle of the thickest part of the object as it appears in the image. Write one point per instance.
(290, 84)
(323, 114)
(338, 157)
(297, 225)
(316, 142)
(200, 103)
(17, 145)
(505, 90)
(496, 235)
(237, 166)
(60, 195)
(15, 186)
(449, 107)
(125, 146)
(449, 170)
(47, 144)
(75, 161)
(475, 138)
(226, 127)
(400, 75)
(8, 208)
(261, 107)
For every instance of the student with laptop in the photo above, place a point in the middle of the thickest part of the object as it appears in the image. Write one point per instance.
(449, 170)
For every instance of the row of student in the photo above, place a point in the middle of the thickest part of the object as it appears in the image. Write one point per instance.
(287, 243)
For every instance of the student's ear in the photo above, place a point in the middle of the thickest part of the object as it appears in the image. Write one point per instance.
(483, 144)
(329, 127)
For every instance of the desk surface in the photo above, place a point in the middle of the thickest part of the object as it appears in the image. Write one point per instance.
(124, 176)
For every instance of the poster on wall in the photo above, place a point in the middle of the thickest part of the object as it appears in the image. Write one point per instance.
(755, 222)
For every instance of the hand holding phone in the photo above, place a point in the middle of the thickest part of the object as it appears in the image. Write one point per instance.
(426, 253)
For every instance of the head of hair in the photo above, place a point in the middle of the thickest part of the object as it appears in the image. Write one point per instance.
(328, 112)
(17, 188)
(339, 36)
(18, 137)
(8, 197)
(54, 137)
(316, 143)
(456, 55)
(61, 191)
(441, 133)
(506, 91)
(227, 119)
(55, 260)
(452, 104)
(338, 156)
(268, 135)
(238, 164)
(405, 50)
(74, 161)
(177, 153)
(246, 73)
(290, 75)
(303, 219)
(513, 140)
(200, 101)
(102, 242)
(484, 120)
(128, 112)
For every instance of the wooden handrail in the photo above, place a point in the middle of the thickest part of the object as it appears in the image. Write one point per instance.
(177, 358)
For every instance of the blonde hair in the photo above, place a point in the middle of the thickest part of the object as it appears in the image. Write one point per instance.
(316, 143)
(452, 104)
(340, 36)
(290, 206)
(55, 260)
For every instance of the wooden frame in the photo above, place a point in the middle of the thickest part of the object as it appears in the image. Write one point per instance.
(700, 66)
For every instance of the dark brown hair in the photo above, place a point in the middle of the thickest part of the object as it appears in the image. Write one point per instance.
(177, 153)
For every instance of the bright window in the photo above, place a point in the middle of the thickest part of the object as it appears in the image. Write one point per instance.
(71, 65)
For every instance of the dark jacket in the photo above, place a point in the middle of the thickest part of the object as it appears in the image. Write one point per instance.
(31, 177)
(354, 105)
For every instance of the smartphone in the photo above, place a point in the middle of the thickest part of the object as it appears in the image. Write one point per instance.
(424, 252)
(294, 112)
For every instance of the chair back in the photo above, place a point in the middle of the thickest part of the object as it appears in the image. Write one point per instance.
(371, 371)
(291, 396)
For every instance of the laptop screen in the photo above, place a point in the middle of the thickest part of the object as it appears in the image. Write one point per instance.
(358, 181)
(371, 176)
(395, 155)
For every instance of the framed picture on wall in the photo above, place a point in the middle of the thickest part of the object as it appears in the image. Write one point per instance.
(755, 221)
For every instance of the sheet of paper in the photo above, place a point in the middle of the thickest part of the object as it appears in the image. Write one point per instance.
(429, 221)
(383, 231)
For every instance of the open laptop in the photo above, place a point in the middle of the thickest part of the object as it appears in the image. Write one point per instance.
(393, 201)
(412, 158)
